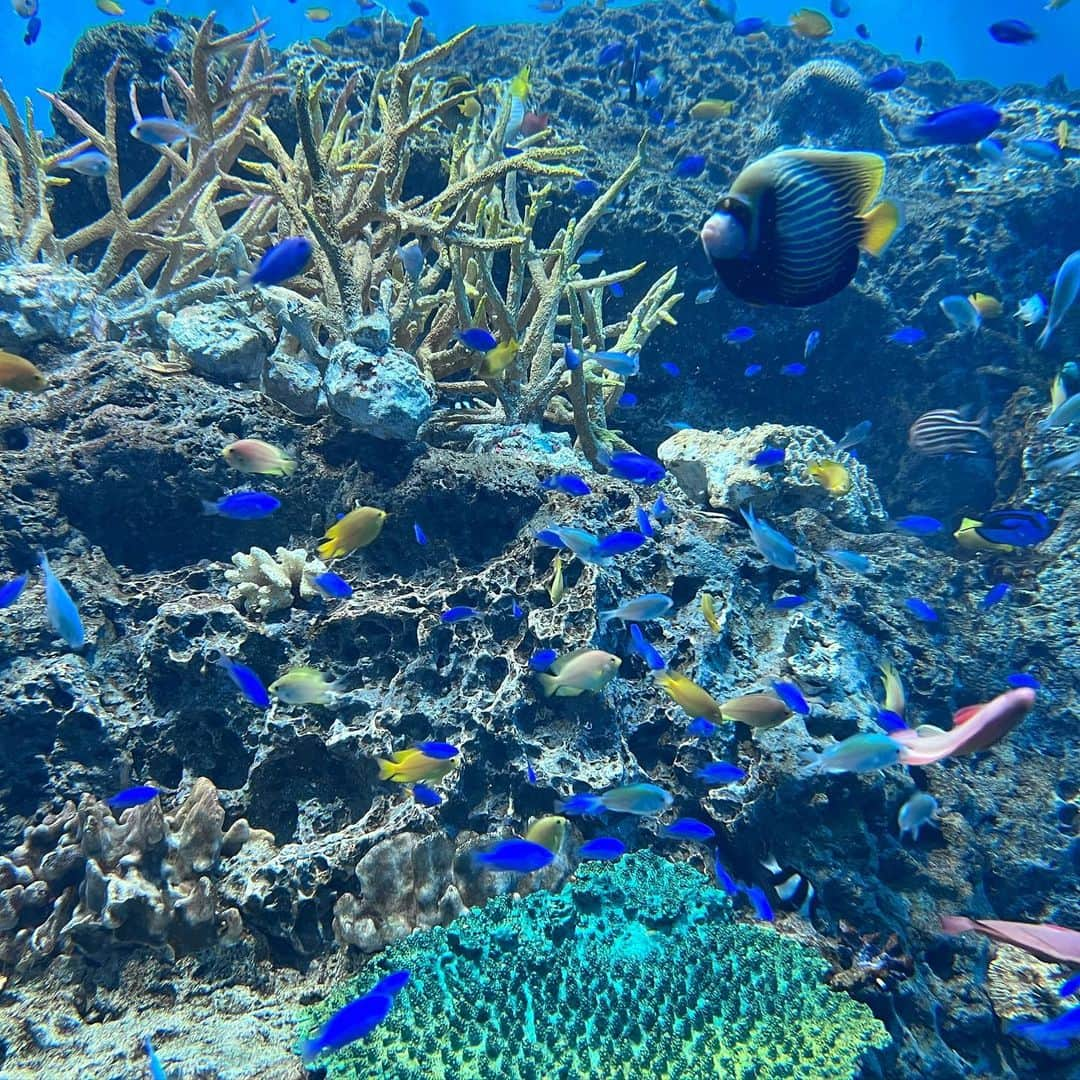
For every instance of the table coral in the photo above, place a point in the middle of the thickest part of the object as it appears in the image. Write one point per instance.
(633, 970)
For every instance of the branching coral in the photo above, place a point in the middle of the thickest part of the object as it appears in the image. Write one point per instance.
(633, 970)
(265, 583)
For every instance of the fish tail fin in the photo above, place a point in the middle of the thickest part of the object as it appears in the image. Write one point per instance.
(209, 507)
(1044, 338)
(310, 1050)
(549, 684)
(880, 226)
(288, 466)
(983, 420)
(327, 549)
(605, 617)
(387, 769)
(956, 924)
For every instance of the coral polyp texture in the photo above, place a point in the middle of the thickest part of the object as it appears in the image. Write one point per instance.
(632, 971)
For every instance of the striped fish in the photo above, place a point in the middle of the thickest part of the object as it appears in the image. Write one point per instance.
(948, 431)
(790, 230)
(794, 890)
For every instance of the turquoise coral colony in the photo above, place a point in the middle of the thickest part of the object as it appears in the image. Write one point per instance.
(346, 626)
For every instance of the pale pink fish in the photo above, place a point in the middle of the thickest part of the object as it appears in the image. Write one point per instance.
(1058, 944)
(974, 731)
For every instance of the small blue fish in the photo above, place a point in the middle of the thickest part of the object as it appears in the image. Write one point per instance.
(354, 1021)
(921, 609)
(994, 596)
(421, 537)
(11, 591)
(572, 358)
(773, 545)
(157, 1070)
(442, 751)
(702, 728)
(752, 369)
(627, 400)
(645, 649)
(787, 603)
(88, 163)
(129, 797)
(723, 878)
(33, 29)
(619, 363)
(689, 828)
(616, 290)
(477, 338)
(720, 772)
(586, 188)
(1069, 987)
(794, 370)
(671, 369)
(530, 772)
(637, 468)
(660, 509)
(515, 856)
(1045, 151)
(542, 660)
(738, 335)
(248, 683)
(920, 524)
(610, 53)
(886, 80)
(690, 167)
(908, 335)
(890, 721)
(863, 31)
(283, 261)
(705, 295)
(849, 560)
(752, 25)
(586, 803)
(62, 613)
(643, 523)
(957, 126)
(243, 506)
(813, 339)
(771, 455)
(1021, 528)
(593, 255)
(1013, 32)
(425, 795)
(330, 584)
(792, 697)
(412, 258)
(1022, 678)
(1053, 1034)
(517, 611)
(566, 483)
(759, 902)
(461, 613)
(605, 848)
(160, 131)
(618, 543)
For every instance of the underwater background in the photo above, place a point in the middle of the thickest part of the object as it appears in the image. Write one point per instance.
(539, 544)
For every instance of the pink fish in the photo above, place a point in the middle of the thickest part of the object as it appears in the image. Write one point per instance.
(1058, 944)
(975, 730)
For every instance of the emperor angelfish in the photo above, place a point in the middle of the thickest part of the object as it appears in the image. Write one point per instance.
(790, 230)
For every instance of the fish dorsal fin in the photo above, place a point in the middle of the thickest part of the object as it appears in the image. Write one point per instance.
(855, 176)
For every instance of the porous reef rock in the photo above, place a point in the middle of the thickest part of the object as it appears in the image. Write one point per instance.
(716, 469)
(216, 343)
(42, 302)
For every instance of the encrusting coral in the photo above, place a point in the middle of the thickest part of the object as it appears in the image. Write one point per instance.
(635, 969)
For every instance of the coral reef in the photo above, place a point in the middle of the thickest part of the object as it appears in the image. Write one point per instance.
(633, 970)
(263, 583)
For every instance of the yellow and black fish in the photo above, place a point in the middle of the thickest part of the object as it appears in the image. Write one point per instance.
(790, 230)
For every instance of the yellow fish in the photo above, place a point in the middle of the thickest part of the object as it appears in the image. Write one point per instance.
(895, 700)
(321, 46)
(556, 589)
(303, 686)
(967, 537)
(318, 14)
(755, 710)
(410, 766)
(989, 307)
(548, 832)
(711, 109)
(498, 359)
(470, 107)
(1063, 134)
(1058, 393)
(811, 24)
(256, 456)
(708, 609)
(519, 84)
(356, 529)
(694, 700)
(109, 7)
(831, 475)
(585, 670)
(20, 375)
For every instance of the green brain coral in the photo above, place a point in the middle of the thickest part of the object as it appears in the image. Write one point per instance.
(636, 970)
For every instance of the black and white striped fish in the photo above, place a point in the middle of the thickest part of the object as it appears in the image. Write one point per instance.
(793, 890)
(948, 431)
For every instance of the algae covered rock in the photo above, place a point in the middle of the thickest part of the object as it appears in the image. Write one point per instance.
(633, 970)
(40, 302)
(216, 343)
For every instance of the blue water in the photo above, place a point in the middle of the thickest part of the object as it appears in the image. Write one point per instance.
(954, 33)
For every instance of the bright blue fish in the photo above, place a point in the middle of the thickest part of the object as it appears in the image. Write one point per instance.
(283, 261)
(759, 902)
(11, 592)
(605, 848)
(671, 369)
(794, 370)
(720, 772)
(627, 400)
(461, 613)
(738, 335)
(660, 509)
(645, 650)
(421, 536)
(1070, 986)
(752, 369)
(542, 660)
(752, 25)
(813, 339)
(530, 772)
(702, 728)
(248, 683)
(477, 338)
(920, 524)
(157, 1070)
(890, 721)
(1053, 1034)
(566, 483)
(443, 751)
(908, 335)
(723, 878)
(994, 596)
(788, 603)
(593, 255)
(619, 363)
(688, 828)
(62, 613)
(517, 611)
(771, 455)
(516, 856)
(643, 523)
(425, 795)
(616, 290)
(354, 1021)
(958, 126)
(637, 468)
(1022, 678)
(792, 697)
(886, 80)
(243, 506)
(586, 188)
(585, 803)
(572, 357)
(921, 609)
(618, 543)
(330, 584)
(129, 797)
(690, 167)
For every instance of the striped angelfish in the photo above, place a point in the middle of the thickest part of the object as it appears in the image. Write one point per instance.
(948, 431)
(794, 890)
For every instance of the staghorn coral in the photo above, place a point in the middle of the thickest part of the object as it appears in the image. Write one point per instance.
(84, 879)
(263, 583)
(632, 970)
